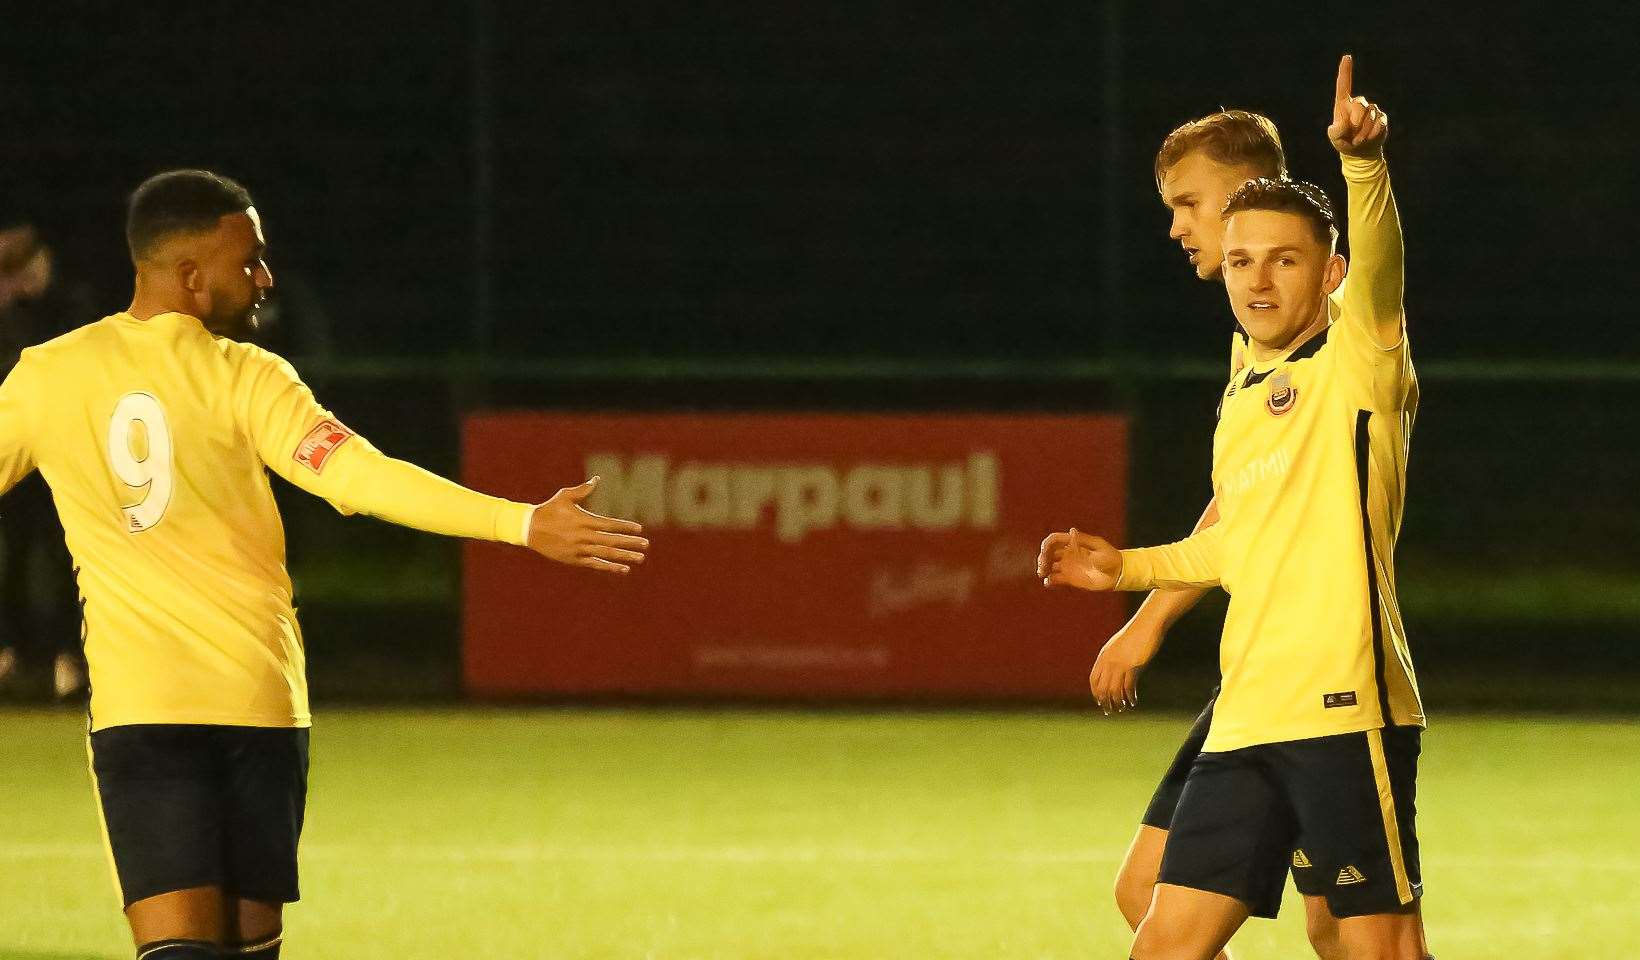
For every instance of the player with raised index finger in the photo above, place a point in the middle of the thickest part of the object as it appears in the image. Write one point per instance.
(1311, 758)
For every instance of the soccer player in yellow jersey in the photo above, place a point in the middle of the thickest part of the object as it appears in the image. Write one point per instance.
(1199, 165)
(156, 438)
(1311, 757)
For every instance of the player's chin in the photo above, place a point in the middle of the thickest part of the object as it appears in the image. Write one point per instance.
(1262, 325)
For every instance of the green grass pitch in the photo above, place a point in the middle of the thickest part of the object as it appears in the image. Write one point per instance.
(769, 834)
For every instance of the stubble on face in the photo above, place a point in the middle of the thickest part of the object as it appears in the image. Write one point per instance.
(234, 295)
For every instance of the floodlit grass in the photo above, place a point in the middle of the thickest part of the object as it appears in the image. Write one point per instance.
(766, 834)
(1556, 594)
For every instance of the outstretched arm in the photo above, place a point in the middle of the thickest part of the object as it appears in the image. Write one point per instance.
(1373, 295)
(302, 442)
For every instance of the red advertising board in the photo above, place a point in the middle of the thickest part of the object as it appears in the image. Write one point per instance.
(798, 556)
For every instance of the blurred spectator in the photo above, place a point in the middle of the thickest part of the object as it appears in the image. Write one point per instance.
(38, 613)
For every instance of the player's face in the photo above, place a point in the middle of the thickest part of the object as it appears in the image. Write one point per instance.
(1278, 273)
(235, 278)
(1195, 190)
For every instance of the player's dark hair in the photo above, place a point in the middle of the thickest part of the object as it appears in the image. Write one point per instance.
(179, 201)
(1235, 137)
(1288, 196)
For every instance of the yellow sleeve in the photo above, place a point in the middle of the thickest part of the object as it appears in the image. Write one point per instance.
(304, 443)
(1371, 325)
(1373, 296)
(1191, 562)
(16, 427)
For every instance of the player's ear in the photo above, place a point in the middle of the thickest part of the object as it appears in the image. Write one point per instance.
(190, 276)
(1333, 273)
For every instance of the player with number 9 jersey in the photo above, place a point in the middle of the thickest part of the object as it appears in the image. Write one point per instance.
(155, 437)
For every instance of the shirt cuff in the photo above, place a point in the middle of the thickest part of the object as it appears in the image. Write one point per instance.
(524, 528)
(1137, 571)
(1362, 169)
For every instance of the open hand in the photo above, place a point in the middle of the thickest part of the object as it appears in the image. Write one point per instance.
(1080, 560)
(567, 532)
(1114, 679)
(1359, 128)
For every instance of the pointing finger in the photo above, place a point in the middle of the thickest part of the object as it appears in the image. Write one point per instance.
(1345, 84)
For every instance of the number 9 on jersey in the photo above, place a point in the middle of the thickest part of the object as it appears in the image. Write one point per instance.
(139, 450)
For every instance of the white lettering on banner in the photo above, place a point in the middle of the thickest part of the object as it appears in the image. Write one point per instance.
(920, 585)
(805, 497)
(700, 496)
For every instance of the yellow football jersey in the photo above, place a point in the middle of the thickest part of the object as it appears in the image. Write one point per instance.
(156, 438)
(1309, 468)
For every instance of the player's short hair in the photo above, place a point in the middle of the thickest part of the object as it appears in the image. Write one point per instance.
(179, 201)
(1288, 196)
(1236, 137)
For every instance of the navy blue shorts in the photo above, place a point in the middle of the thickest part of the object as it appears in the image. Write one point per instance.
(1166, 798)
(1338, 811)
(195, 806)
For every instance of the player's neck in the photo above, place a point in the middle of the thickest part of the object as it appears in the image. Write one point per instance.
(151, 299)
(1264, 352)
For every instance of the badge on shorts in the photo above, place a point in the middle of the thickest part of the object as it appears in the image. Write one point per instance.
(1283, 395)
(316, 448)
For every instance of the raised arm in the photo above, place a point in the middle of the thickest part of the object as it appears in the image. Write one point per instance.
(1373, 293)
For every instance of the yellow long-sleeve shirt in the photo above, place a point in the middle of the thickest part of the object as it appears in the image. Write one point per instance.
(156, 438)
(1309, 468)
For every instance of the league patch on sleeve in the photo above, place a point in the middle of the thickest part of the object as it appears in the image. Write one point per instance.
(316, 448)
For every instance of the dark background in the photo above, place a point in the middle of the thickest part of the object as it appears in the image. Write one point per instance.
(650, 204)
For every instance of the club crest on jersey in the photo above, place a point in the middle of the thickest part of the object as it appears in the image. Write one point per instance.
(315, 449)
(1283, 395)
